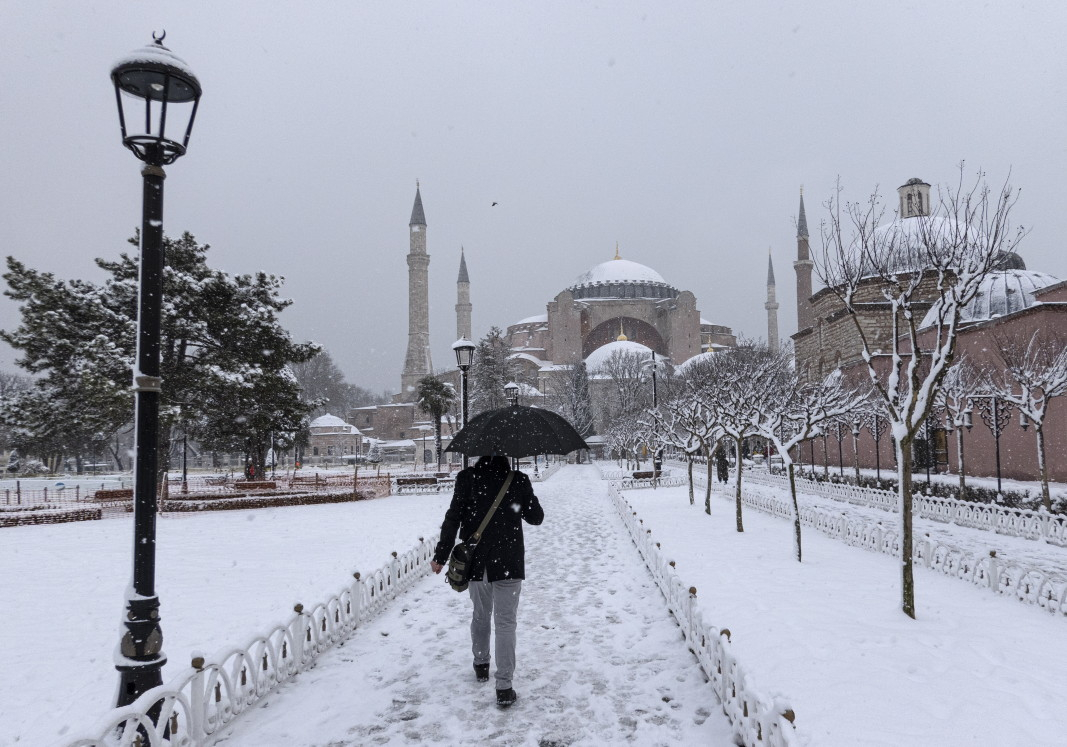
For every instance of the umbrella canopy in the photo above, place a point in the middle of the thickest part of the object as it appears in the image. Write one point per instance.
(517, 431)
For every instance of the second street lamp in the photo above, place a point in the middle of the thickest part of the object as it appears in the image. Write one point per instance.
(464, 350)
(156, 89)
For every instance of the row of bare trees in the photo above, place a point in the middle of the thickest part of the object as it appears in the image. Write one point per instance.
(941, 259)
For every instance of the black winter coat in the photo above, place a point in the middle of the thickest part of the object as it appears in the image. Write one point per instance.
(501, 553)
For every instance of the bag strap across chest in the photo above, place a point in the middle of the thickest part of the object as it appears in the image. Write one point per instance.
(477, 536)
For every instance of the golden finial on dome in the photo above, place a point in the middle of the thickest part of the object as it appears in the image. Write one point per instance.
(617, 250)
(622, 337)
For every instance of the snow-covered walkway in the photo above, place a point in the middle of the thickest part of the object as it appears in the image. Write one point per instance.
(600, 661)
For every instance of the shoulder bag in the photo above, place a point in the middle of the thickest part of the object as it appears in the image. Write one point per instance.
(459, 561)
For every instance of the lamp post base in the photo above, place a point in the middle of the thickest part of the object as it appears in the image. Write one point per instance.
(140, 658)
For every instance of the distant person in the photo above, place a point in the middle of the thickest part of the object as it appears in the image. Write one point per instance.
(722, 466)
(498, 563)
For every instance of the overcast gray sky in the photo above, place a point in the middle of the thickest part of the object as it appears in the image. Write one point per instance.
(683, 131)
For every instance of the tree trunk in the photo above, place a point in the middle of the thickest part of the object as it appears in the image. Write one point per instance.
(115, 454)
(796, 512)
(737, 493)
(907, 580)
(1042, 465)
(962, 468)
(437, 440)
(856, 456)
(689, 466)
(707, 492)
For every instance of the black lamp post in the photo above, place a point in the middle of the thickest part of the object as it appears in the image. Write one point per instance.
(511, 392)
(996, 413)
(856, 448)
(155, 90)
(464, 350)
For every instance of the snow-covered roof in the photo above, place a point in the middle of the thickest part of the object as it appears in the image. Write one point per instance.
(535, 319)
(334, 422)
(1000, 294)
(619, 271)
(600, 356)
(527, 357)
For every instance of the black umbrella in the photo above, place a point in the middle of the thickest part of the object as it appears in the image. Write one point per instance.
(517, 431)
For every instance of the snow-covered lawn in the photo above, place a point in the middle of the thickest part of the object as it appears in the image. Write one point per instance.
(973, 669)
(222, 577)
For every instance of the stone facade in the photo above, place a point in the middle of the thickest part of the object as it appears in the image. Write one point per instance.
(332, 438)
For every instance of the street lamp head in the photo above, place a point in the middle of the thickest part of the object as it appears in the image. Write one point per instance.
(464, 350)
(511, 391)
(155, 91)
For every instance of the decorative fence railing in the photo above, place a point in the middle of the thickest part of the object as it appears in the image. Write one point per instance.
(200, 700)
(1027, 584)
(757, 717)
(1011, 522)
(636, 483)
(545, 472)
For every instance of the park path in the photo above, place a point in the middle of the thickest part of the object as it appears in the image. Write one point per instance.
(600, 661)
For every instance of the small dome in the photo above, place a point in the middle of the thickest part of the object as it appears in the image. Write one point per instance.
(600, 356)
(1000, 294)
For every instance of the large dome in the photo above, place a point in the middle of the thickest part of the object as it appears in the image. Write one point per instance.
(1000, 294)
(621, 278)
(619, 271)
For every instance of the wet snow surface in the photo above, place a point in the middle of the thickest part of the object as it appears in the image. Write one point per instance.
(600, 661)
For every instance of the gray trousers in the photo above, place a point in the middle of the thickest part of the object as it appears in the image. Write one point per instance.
(499, 601)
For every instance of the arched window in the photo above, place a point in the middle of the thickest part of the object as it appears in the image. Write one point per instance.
(911, 211)
(919, 197)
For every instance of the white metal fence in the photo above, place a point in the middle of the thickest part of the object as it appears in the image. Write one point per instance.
(201, 699)
(1031, 585)
(1011, 522)
(758, 718)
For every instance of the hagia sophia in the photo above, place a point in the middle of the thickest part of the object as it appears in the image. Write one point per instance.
(621, 304)
(618, 304)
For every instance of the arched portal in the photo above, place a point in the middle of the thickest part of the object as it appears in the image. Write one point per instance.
(634, 329)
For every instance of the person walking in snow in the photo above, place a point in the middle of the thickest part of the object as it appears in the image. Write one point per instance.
(498, 563)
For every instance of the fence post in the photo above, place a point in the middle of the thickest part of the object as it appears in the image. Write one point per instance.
(197, 701)
(994, 571)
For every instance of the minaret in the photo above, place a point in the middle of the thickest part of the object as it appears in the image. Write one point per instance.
(771, 306)
(803, 267)
(463, 300)
(417, 361)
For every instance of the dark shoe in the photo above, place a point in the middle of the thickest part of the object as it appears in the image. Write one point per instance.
(481, 671)
(504, 698)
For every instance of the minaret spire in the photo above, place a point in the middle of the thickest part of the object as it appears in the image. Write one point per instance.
(463, 299)
(417, 361)
(771, 306)
(803, 267)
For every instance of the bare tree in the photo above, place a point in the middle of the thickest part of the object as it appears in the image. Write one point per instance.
(943, 256)
(798, 412)
(1034, 372)
(684, 422)
(734, 388)
(960, 384)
